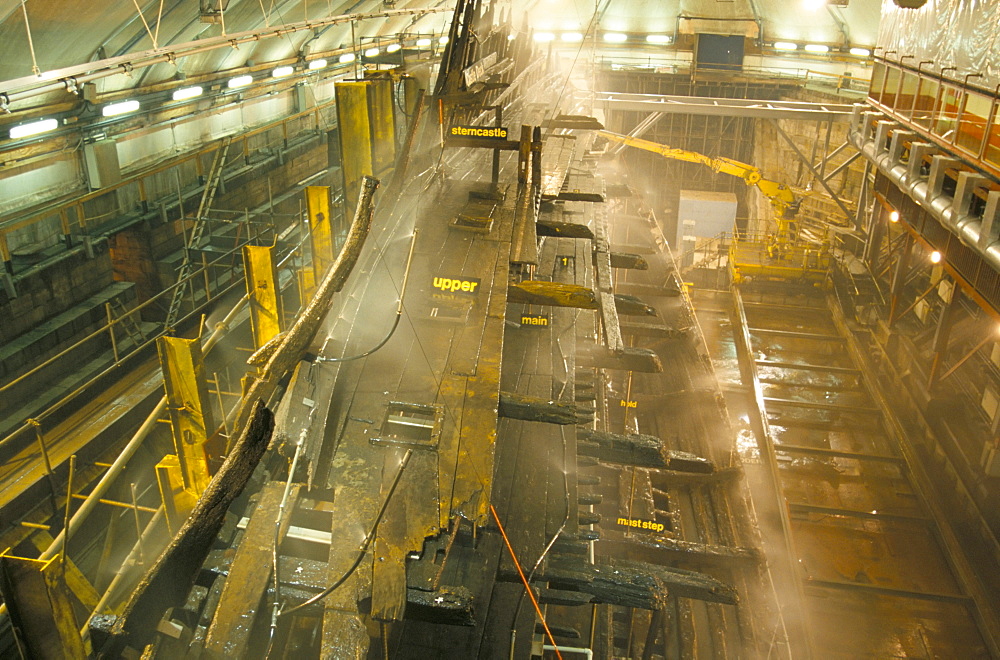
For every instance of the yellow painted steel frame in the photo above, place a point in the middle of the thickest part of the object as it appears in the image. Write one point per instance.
(262, 288)
(188, 404)
(769, 257)
(178, 502)
(355, 137)
(381, 116)
(320, 232)
(39, 606)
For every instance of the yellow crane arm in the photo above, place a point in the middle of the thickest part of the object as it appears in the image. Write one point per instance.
(781, 196)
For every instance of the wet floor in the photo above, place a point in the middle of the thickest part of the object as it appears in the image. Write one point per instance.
(873, 579)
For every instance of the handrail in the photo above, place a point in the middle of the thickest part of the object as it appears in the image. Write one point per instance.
(7, 226)
(108, 327)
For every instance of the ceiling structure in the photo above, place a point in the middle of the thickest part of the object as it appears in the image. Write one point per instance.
(34, 46)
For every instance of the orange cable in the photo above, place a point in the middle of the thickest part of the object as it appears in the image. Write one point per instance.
(527, 587)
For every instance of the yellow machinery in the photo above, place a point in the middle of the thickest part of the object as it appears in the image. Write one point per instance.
(775, 255)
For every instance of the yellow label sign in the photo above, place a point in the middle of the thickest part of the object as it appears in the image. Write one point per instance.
(628, 404)
(490, 132)
(466, 285)
(535, 320)
(650, 525)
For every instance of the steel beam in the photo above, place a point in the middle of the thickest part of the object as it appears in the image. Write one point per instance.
(262, 287)
(720, 107)
(189, 407)
(816, 175)
(806, 367)
(39, 608)
(798, 507)
(819, 405)
(383, 123)
(320, 232)
(889, 591)
(355, 137)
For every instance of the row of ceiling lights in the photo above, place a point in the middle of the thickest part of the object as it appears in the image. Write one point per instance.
(609, 37)
(665, 39)
(817, 48)
(194, 91)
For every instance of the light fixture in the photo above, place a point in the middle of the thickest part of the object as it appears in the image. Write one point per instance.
(571, 36)
(317, 64)
(813, 5)
(861, 52)
(511, 36)
(785, 45)
(239, 81)
(658, 38)
(34, 128)
(894, 216)
(935, 257)
(347, 57)
(113, 109)
(817, 48)
(443, 40)
(282, 71)
(615, 37)
(543, 36)
(392, 48)
(185, 93)
(372, 52)
(423, 42)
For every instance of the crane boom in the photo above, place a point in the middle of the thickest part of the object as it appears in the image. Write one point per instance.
(783, 200)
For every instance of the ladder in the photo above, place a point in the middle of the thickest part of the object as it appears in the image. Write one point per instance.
(197, 232)
(128, 323)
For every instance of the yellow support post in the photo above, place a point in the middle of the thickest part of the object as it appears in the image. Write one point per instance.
(381, 116)
(355, 137)
(178, 502)
(188, 404)
(320, 231)
(76, 581)
(39, 608)
(262, 288)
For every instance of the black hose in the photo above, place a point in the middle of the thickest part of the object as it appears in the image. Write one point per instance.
(366, 353)
(364, 546)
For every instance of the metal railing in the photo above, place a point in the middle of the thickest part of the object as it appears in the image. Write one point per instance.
(217, 279)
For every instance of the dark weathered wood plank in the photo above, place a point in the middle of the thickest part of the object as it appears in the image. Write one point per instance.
(249, 574)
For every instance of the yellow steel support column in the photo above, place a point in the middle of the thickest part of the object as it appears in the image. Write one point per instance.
(39, 608)
(355, 137)
(262, 288)
(76, 581)
(382, 119)
(188, 403)
(178, 502)
(320, 231)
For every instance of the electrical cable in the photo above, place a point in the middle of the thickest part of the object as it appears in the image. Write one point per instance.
(399, 312)
(363, 550)
(527, 587)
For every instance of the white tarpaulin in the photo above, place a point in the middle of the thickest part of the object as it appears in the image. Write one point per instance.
(964, 34)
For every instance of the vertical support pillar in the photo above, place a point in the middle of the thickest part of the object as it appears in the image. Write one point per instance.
(382, 118)
(8, 262)
(942, 333)
(262, 289)
(498, 122)
(188, 404)
(355, 137)
(39, 608)
(320, 229)
(902, 266)
(178, 502)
